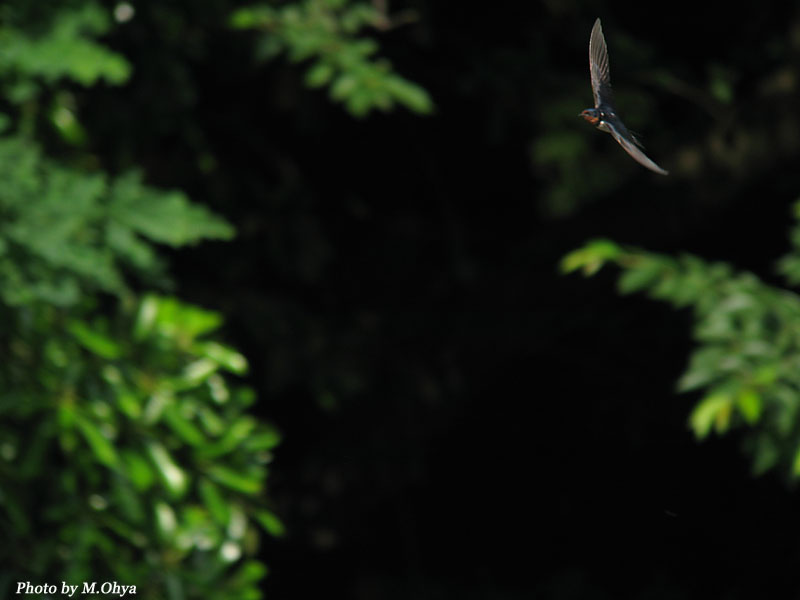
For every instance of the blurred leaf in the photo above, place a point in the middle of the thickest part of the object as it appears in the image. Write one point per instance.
(640, 276)
(224, 356)
(182, 426)
(165, 517)
(175, 319)
(712, 411)
(172, 476)
(234, 480)
(238, 431)
(591, 257)
(163, 217)
(94, 341)
(65, 50)
(198, 371)
(214, 501)
(101, 447)
(720, 84)
(320, 74)
(263, 441)
(138, 470)
(749, 404)
(252, 16)
(250, 572)
(271, 523)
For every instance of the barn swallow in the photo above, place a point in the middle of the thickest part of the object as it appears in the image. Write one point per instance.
(603, 114)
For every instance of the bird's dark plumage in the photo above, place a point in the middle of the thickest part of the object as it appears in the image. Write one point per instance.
(603, 114)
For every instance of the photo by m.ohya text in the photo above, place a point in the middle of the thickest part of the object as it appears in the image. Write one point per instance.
(85, 588)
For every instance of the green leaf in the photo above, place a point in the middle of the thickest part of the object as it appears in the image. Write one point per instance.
(178, 320)
(94, 341)
(344, 86)
(138, 470)
(319, 75)
(166, 217)
(271, 523)
(266, 440)
(410, 95)
(237, 433)
(246, 484)
(749, 404)
(214, 501)
(226, 357)
(198, 371)
(211, 422)
(182, 426)
(796, 464)
(720, 85)
(102, 448)
(252, 16)
(591, 257)
(711, 411)
(172, 476)
(766, 374)
(165, 519)
(250, 572)
(703, 369)
(66, 50)
(640, 277)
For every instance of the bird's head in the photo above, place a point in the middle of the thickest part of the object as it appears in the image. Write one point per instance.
(591, 114)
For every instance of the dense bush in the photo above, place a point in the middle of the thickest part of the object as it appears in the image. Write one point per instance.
(126, 449)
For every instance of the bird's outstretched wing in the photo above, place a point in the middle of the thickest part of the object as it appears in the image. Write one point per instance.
(634, 150)
(598, 66)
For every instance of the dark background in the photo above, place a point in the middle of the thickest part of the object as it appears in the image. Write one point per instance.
(460, 420)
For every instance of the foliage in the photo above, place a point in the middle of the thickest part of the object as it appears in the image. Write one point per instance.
(65, 231)
(126, 450)
(64, 48)
(747, 362)
(36, 54)
(126, 453)
(326, 33)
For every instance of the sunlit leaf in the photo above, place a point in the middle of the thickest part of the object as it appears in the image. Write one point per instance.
(165, 518)
(234, 480)
(749, 405)
(182, 426)
(138, 470)
(271, 523)
(172, 476)
(102, 448)
(591, 257)
(711, 411)
(235, 435)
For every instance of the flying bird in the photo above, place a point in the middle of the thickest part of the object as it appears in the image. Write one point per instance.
(603, 114)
